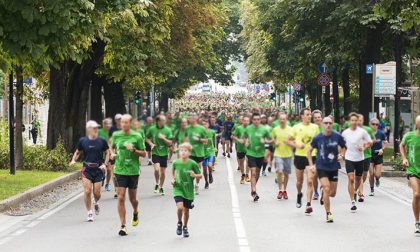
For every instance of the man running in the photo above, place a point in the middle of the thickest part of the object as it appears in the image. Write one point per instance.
(410, 153)
(127, 146)
(159, 137)
(93, 148)
(208, 161)
(378, 147)
(216, 127)
(366, 162)
(331, 148)
(147, 125)
(104, 133)
(256, 136)
(317, 119)
(227, 136)
(282, 155)
(269, 149)
(357, 141)
(301, 137)
(237, 135)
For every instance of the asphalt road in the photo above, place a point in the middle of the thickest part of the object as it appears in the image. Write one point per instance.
(224, 219)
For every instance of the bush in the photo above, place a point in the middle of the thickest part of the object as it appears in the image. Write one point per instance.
(397, 164)
(35, 157)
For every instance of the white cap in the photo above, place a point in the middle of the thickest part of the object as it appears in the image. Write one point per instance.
(92, 124)
(117, 116)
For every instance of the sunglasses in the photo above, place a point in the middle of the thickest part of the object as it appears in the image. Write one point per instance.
(374, 124)
(327, 123)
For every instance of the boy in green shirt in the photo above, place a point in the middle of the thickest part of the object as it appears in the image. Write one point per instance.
(209, 154)
(184, 171)
(237, 135)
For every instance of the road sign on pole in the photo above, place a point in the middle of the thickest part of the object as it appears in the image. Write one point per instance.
(369, 68)
(322, 67)
(385, 79)
(296, 87)
(324, 79)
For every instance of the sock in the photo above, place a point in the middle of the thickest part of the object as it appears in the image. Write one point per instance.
(308, 204)
(264, 165)
(243, 174)
(122, 226)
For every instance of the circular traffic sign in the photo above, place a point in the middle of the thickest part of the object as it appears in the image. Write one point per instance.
(324, 79)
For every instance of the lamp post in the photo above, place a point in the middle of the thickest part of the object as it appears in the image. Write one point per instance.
(11, 126)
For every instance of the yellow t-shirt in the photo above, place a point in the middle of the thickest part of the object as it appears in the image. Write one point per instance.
(303, 134)
(280, 135)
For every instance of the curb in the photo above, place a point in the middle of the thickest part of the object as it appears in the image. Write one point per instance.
(17, 199)
(393, 174)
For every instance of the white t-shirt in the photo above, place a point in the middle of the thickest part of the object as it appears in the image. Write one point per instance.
(355, 139)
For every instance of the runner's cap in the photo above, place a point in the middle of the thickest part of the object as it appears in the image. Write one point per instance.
(117, 116)
(92, 124)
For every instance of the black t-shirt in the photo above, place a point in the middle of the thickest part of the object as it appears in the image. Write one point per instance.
(112, 130)
(92, 149)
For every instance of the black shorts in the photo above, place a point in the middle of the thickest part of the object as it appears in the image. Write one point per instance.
(228, 137)
(240, 155)
(127, 181)
(412, 176)
(95, 175)
(197, 159)
(301, 162)
(161, 160)
(331, 175)
(377, 159)
(254, 162)
(148, 147)
(270, 148)
(366, 164)
(187, 203)
(356, 167)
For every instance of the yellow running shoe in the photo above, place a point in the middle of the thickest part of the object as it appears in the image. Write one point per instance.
(248, 178)
(135, 220)
(242, 180)
(330, 218)
(123, 231)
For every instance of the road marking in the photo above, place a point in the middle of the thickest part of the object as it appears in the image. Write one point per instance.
(239, 225)
(60, 207)
(19, 232)
(33, 224)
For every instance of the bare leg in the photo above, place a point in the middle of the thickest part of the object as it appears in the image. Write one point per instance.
(310, 185)
(132, 194)
(87, 186)
(156, 167)
(415, 185)
(299, 180)
(97, 191)
(179, 210)
(121, 204)
(186, 216)
(162, 176)
(350, 186)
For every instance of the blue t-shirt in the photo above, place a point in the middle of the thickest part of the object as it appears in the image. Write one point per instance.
(327, 147)
(380, 136)
(228, 125)
(93, 150)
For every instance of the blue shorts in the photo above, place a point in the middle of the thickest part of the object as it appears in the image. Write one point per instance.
(208, 160)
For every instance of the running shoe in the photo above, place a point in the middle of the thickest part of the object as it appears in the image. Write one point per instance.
(264, 174)
(185, 231)
(231, 150)
(330, 218)
(239, 168)
(280, 195)
(361, 198)
(179, 228)
(242, 180)
(115, 195)
(285, 195)
(372, 192)
(90, 216)
(299, 200)
(353, 207)
(255, 196)
(228, 155)
(206, 186)
(156, 189)
(123, 231)
(269, 169)
(107, 187)
(211, 178)
(224, 154)
(316, 196)
(150, 163)
(247, 178)
(377, 182)
(308, 209)
(97, 209)
(135, 220)
(161, 192)
(196, 189)
(417, 232)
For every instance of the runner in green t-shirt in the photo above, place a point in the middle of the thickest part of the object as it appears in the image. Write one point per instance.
(127, 145)
(159, 137)
(184, 171)
(104, 133)
(366, 162)
(209, 151)
(149, 123)
(410, 153)
(181, 132)
(317, 119)
(256, 136)
(237, 135)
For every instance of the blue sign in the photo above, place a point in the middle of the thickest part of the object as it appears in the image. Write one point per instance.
(322, 67)
(369, 69)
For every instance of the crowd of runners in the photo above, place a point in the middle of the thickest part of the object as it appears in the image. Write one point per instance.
(260, 138)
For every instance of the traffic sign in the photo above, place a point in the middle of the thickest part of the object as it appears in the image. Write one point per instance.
(296, 87)
(369, 69)
(322, 67)
(324, 79)
(385, 79)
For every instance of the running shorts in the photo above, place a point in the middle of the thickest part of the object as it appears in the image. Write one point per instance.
(95, 175)
(208, 160)
(187, 203)
(240, 155)
(283, 165)
(254, 162)
(366, 164)
(331, 175)
(161, 160)
(127, 181)
(355, 167)
(377, 159)
(301, 162)
(270, 148)
(148, 147)
(197, 159)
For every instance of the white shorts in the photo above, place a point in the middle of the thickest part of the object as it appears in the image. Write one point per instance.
(283, 165)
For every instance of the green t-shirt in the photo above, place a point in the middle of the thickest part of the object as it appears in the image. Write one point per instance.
(209, 147)
(126, 163)
(146, 127)
(239, 133)
(141, 132)
(184, 183)
(255, 135)
(412, 143)
(161, 148)
(346, 125)
(368, 151)
(195, 134)
(103, 134)
(180, 135)
(336, 127)
(275, 124)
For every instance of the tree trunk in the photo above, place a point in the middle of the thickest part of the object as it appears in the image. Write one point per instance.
(346, 89)
(336, 96)
(114, 99)
(164, 102)
(18, 119)
(96, 99)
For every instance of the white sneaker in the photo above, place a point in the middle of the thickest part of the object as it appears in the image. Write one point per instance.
(196, 189)
(417, 232)
(97, 209)
(90, 216)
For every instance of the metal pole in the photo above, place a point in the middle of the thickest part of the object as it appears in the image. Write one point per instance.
(398, 61)
(152, 101)
(290, 99)
(373, 90)
(11, 126)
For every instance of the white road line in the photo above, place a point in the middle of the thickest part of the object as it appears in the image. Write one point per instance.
(239, 225)
(19, 232)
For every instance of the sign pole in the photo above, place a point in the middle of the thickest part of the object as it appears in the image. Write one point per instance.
(373, 89)
(11, 126)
